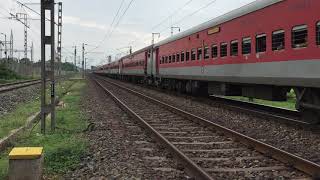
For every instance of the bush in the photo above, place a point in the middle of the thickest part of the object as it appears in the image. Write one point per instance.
(6, 73)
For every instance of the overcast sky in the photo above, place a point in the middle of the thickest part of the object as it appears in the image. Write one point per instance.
(89, 22)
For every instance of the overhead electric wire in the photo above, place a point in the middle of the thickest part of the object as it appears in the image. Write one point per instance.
(164, 20)
(191, 14)
(172, 14)
(111, 25)
(115, 27)
(22, 4)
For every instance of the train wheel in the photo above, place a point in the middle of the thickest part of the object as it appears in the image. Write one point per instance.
(189, 87)
(308, 102)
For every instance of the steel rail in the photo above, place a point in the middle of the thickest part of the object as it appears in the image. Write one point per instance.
(191, 168)
(299, 163)
(16, 83)
(265, 111)
(19, 87)
(24, 84)
(281, 115)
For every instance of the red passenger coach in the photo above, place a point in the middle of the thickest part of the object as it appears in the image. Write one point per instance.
(134, 66)
(261, 50)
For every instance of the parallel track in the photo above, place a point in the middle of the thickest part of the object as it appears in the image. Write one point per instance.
(18, 85)
(207, 150)
(22, 84)
(267, 112)
(286, 116)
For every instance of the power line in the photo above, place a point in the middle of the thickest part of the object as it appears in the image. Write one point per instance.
(164, 20)
(111, 25)
(118, 22)
(171, 15)
(22, 4)
(191, 14)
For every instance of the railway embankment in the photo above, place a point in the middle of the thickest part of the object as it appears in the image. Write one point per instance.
(64, 147)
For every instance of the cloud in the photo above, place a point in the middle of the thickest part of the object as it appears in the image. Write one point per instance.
(88, 24)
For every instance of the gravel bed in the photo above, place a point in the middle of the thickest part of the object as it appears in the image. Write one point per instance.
(156, 113)
(296, 140)
(10, 100)
(118, 147)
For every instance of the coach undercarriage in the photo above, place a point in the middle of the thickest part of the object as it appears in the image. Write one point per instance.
(307, 99)
(308, 103)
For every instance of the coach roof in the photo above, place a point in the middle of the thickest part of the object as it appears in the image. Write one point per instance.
(249, 8)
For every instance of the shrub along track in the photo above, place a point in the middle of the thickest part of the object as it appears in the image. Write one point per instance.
(206, 149)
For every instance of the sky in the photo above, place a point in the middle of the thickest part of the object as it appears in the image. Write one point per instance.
(95, 23)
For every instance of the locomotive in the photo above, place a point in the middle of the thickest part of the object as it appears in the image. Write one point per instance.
(261, 50)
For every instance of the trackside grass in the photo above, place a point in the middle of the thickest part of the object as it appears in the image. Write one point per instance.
(18, 117)
(64, 147)
(289, 104)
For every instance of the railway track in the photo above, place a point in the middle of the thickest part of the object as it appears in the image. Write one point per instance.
(22, 84)
(282, 115)
(208, 150)
(17, 85)
(267, 112)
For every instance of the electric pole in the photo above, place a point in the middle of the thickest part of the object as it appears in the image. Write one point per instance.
(31, 52)
(11, 45)
(82, 60)
(47, 6)
(25, 22)
(75, 57)
(5, 45)
(59, 36)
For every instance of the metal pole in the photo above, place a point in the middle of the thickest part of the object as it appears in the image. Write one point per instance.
(85, 65)
(47, 5)
(82, 60)
(75, 58)
(59, 36)
(5, 46)
(53, 96)
(43, 68)
(11, 45)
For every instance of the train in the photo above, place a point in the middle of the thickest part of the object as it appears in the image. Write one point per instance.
(261, 50)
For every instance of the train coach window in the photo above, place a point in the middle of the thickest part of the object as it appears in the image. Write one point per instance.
(300, 36)
(246, 46)
(178, 57)
(278, 40)
(173, 58)
(169, 59)
(234, 48)
(193, 54)
(223, 49)
(182, 56)
(261, 43)
(166, 60)
(187, 56)
(318, 33)
(214, 51)
(199, 57)
(206, 52)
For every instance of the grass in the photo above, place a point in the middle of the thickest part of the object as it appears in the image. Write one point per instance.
(289, 104)
(18, 117)
(63, 148)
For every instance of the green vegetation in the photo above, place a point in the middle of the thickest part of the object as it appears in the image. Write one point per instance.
(289, 104)
(63, 148)
(18, 117)
(6, 74)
